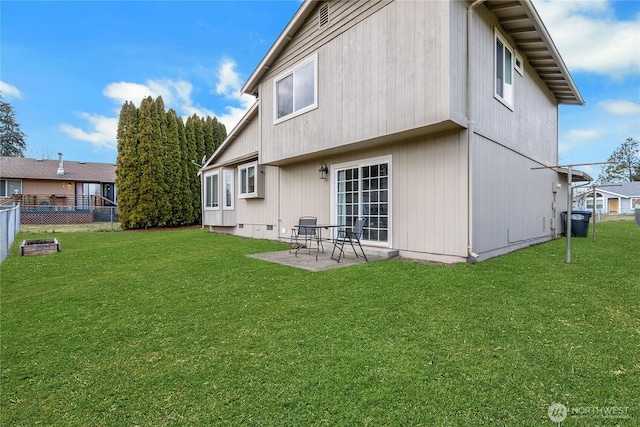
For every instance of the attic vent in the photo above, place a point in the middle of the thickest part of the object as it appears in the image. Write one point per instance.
(324, 15)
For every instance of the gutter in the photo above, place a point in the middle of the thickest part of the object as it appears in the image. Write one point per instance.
(471, 255)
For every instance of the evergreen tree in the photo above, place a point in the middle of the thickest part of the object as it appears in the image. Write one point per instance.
(189, 154)
(173, 169)
(198, 126)
(186, 207)
(12, 139)
(164, 180)
(152, 185)
(127, 170)
(625, 166)
(158, 160)
(209, 139)
(219, 133)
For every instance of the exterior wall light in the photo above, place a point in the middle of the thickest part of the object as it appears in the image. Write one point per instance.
(323, 170)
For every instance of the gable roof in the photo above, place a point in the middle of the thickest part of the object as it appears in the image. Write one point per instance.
(518, 18)
(251, 86)
(623, 189)
(22, 168)
(244, 122)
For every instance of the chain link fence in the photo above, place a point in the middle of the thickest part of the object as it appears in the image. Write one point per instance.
(9, 227)
(54, 215)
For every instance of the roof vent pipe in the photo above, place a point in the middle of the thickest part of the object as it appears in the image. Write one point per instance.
(60, 164)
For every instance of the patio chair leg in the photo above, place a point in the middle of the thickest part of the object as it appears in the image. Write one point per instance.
(339, 245)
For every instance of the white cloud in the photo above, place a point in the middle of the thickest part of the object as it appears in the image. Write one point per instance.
(577, 138)
(228, 79)
(229, 84)
(102, 134)
(577, 134)
(125, 91)
(590, 38)
(9, 90)
(176, 94)
(620, 107)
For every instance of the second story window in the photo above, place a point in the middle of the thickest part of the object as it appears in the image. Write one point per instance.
(504, 71)
(296, 90)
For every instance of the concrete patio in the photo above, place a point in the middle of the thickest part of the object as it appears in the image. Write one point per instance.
(308, 261)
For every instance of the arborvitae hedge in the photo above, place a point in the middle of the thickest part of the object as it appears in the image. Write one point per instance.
(158, 160)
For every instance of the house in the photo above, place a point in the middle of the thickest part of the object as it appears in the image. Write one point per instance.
(42, 186)
(619, 199)
(427, 118)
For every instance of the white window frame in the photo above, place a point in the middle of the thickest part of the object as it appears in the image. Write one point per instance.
(244, 170)
(211, 190)
(292, 72)
(518, 64)
(599, 202)
(228, 181)
(504, 92)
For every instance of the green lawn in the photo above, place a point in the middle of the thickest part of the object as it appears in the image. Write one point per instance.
(179, 327)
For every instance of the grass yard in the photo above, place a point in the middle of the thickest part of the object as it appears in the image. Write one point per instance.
(179, 327)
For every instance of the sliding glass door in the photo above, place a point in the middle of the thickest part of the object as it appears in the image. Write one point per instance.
(363, 190)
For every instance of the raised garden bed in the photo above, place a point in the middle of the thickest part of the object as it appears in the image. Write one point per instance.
(39, 247)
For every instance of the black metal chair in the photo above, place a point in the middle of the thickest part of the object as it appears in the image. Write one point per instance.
(351, 236)
(304, 234)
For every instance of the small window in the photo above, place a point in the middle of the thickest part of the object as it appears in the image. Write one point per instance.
(250, 181)
(503, 71)
(519, 64)
(227, 178)
(247, 180)
(211, 191)
(295, 91)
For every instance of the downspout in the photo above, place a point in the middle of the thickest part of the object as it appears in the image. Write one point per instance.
(202, 189)
(471, 255)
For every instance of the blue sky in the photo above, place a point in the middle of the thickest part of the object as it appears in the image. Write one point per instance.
(67, 67)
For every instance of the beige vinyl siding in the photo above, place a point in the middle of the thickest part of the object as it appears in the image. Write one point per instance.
(512, 202)
(371, 81)
(256, 214)
(48, 187)
(458, 60)
(428, 196)
(429, 201)
(246, 142)
(531, 127)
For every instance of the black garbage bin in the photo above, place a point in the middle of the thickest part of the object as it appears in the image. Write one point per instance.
(579, 223)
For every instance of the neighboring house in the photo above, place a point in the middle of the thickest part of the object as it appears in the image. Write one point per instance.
(430, 121)
(620, 198)
(56, 184)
